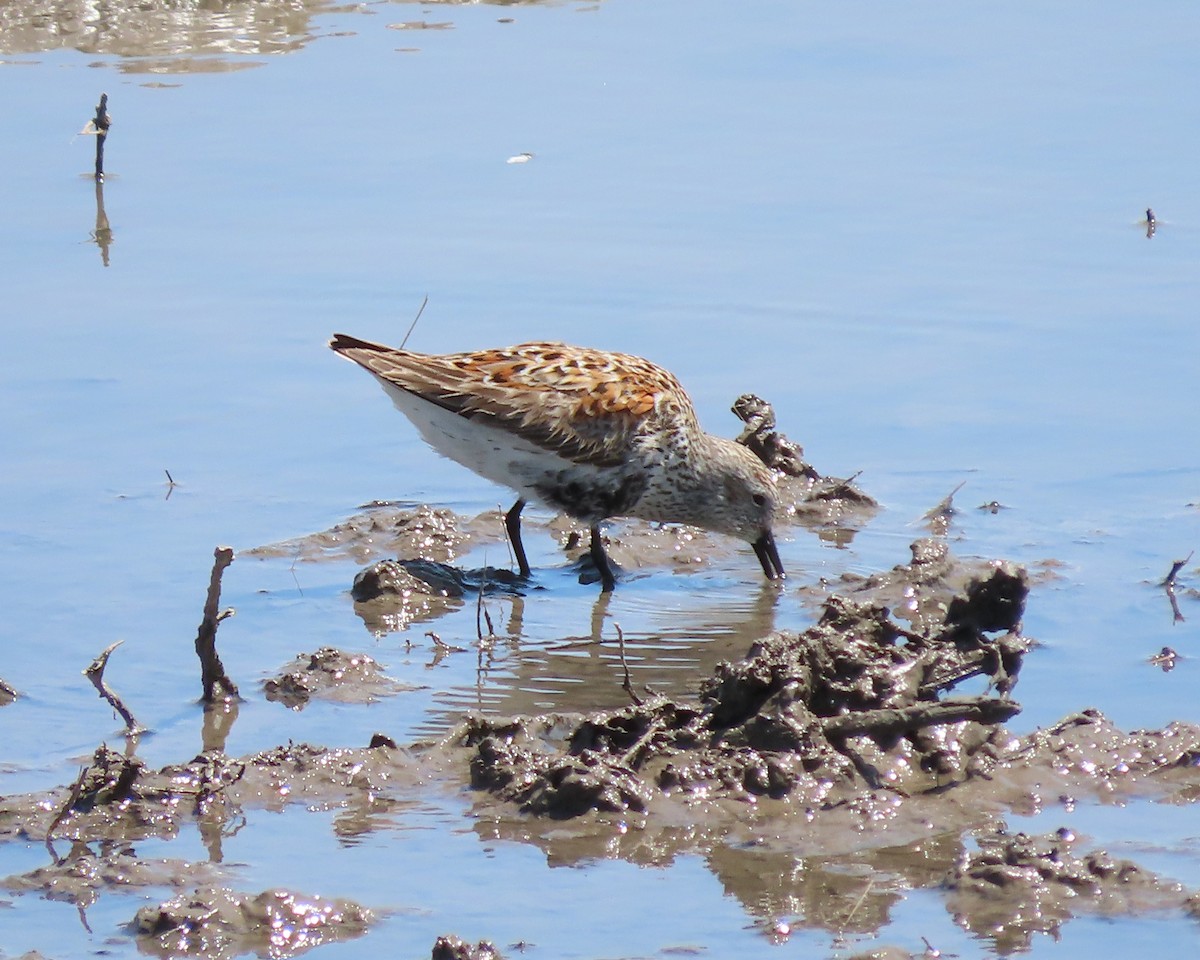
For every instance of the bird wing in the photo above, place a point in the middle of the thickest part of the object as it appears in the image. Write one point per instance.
(585, 405)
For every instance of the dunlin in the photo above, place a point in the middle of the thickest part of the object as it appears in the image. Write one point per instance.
(591, 433)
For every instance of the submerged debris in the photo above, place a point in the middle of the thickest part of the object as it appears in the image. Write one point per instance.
(455, 948)
(218, 923)
(83, 875)
(391, 595)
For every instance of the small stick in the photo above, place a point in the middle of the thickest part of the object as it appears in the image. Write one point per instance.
(945, 507)
(442, 645)
(481, 610)
(631, 757)
(441, 648)
(893, 721)
(212, 672)
(102, 121)
(628, 684)
(507, 538)
(1168, 586)
(1178, 565)
(95, 673)
(72, 799)
(857, 903)
(412, 326)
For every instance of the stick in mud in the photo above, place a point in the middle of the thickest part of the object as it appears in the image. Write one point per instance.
(1169, 581)
(95, 673)
(102, 121)
(944, 509)
(481, 610)
(1168, 585)
(891, 722)
(627, 685)
(66, 808)
(212, 672)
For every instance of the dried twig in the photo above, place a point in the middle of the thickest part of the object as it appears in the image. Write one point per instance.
(890, 722)
(627, 685)
(481, 610)
(66, 808)
(1168, 585)
(101, 122)
(857, 903)
(442, 645)
(1169, 581)
(212, 672)
(1165, 659)
(95, 673)
(944, 509)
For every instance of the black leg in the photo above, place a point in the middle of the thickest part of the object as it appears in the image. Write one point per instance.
(608, 582)
(512, 523)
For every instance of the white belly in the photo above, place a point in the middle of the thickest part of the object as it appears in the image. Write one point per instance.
(493, 453)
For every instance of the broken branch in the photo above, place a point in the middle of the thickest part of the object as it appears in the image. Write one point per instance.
(893, 722)
(95, 673)
(212, 671)
(101, 122)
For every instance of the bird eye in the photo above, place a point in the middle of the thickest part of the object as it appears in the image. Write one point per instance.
(759, 499)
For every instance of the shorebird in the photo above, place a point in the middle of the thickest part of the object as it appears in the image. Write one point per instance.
(591, 433)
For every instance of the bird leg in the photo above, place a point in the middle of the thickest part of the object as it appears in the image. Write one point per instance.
(608, 582)
(512, 524)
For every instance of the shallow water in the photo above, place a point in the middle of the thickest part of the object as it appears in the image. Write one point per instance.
(914, 230)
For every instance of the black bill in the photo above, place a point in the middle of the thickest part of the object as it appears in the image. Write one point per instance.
(768, 556)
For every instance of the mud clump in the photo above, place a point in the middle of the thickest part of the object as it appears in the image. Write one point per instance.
(1021, 885)
(218, 923)
(856, 703)
(383, 529)
(331, 674)
(812, 499)
(83, 875)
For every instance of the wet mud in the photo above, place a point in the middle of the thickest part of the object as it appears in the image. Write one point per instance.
(331, 674)
(218, 923)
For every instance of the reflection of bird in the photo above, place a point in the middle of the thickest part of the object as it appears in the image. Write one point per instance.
(591, 433)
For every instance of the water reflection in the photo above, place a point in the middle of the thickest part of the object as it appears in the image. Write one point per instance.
(102, 235)
(169, 38)
(661, 644)
(157, 30)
